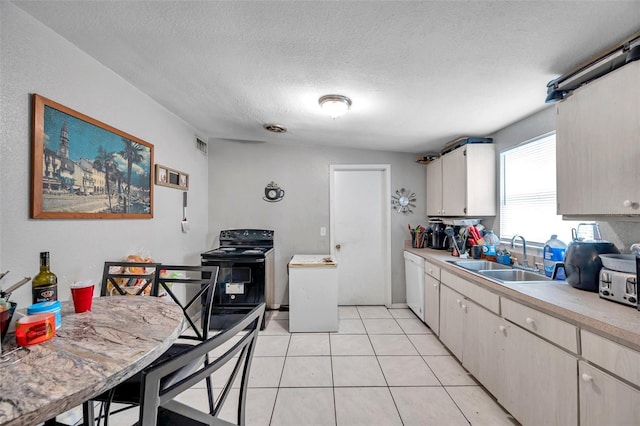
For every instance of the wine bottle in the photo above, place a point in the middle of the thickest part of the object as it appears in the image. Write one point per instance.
(44, 285)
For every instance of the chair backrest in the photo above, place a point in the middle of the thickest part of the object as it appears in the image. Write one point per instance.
(156, 398)
(128, 278)
(199, 283)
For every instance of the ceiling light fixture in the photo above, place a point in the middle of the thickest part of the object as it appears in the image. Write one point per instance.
(335, 105)
(275, 128)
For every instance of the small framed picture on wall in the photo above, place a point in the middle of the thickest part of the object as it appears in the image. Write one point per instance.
(166, 176)
(184, 181)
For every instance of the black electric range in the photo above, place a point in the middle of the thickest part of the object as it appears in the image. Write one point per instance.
(245, 274)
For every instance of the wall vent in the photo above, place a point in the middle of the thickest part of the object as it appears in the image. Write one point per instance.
(201, 145)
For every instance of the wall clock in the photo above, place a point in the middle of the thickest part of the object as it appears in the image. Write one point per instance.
(273, 193)
(403, 201)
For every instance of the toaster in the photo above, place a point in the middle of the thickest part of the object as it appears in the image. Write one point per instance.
(618, 286)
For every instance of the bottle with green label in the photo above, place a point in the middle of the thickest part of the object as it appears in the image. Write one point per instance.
(44, 286)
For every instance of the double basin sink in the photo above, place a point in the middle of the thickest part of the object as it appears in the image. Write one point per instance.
(501, 273)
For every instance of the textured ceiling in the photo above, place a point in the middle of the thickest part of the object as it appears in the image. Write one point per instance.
(419, 73)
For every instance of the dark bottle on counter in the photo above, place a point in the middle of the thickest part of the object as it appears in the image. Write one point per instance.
(44, 285)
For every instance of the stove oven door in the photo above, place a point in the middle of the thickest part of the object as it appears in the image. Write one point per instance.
(240, 284)
(240, 287)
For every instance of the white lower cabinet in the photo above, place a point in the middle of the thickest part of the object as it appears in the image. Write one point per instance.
(432, 303)
(605, 400)
(471, 334)
(538, 381)
(432, 296)
(541, 369)
(451, 320)
(482, 350)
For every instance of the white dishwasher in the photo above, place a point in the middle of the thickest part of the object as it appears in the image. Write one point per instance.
(414, 279)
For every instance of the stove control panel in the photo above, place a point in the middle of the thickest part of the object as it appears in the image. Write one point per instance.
(246, 234)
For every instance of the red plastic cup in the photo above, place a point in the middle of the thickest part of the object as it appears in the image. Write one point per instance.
(82, 294)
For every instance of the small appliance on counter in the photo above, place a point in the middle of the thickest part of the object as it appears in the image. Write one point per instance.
(582, 262)
(438, 237)
(636, 253)
(618, 278)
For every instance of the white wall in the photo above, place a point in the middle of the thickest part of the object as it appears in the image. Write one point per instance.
(239, 172)
(34, 59)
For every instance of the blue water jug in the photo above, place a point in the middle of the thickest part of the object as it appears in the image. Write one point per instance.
(552, 253)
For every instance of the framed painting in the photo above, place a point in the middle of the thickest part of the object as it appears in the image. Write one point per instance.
(85, 169)
(166, 176)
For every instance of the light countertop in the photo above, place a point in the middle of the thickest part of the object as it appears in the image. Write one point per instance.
(585, 309)
(312, 260)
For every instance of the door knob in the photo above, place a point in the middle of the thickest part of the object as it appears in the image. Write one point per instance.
(338, 246)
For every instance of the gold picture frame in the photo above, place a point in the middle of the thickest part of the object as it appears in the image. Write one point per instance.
(166, 176)
(82, 168)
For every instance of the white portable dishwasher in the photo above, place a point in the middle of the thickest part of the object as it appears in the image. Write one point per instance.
(414, 279)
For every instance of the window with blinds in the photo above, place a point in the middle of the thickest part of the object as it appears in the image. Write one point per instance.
(528, 192)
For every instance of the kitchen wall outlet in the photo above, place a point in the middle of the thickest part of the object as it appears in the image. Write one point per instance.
(323, 231)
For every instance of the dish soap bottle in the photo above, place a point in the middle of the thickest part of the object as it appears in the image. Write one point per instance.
(552, 253)
(490, 247)
(44, 286)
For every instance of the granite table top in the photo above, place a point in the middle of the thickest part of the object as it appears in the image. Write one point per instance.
(91, 352)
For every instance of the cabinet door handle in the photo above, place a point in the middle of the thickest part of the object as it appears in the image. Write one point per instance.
(464, 307)
(627, 203)
(587, 378)
(435, 286)
(529, 320)
(459, 302)
(430, 271)
(502, 328)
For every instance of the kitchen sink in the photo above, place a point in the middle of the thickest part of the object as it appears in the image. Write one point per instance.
(514, 275)
(500, 272)
(478, 265)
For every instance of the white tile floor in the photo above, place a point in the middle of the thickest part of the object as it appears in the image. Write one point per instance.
(383, 367)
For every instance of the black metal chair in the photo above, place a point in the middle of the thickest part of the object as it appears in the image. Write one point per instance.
(128, 278)
(198, 283)
(158, 405)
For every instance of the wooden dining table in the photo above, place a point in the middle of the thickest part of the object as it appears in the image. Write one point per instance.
(90, 353)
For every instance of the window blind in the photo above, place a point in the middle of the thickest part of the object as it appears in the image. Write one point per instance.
(528, 192)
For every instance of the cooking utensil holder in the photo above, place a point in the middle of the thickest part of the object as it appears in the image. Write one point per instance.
(418, 239)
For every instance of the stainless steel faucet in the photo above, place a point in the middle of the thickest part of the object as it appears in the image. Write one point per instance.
(525, 262)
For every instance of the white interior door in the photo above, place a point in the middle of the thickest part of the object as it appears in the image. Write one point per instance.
(361, 232)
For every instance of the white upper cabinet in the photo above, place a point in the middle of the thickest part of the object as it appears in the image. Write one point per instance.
(434, 188)
(598, 146)
(463, 182)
